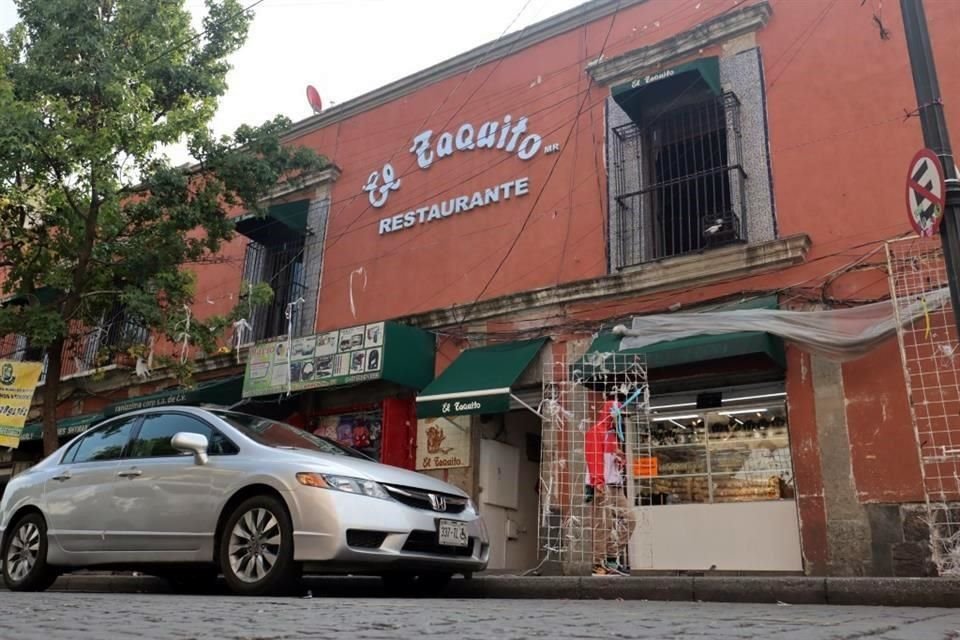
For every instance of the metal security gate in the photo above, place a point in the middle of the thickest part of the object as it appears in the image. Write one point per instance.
(930, 353)
(581, 527)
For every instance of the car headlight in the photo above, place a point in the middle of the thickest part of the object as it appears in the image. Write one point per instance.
(359, 486)
(470, 508)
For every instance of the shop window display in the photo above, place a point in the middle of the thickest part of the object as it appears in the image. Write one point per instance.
(360, 430)
(720, 456)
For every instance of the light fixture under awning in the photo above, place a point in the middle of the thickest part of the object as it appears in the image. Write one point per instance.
(479, 381)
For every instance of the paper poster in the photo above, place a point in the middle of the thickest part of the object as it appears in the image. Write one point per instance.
(18, 381)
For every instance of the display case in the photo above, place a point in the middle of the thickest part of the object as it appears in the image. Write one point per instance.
(729, 455)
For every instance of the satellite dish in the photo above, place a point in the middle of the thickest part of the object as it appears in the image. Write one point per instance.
(313, 97)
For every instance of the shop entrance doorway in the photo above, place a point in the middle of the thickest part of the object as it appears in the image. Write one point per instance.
(508, 488)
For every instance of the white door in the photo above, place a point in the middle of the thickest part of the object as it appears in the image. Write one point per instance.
(499, 477)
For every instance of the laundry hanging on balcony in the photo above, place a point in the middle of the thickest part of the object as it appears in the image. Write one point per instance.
(837, 334)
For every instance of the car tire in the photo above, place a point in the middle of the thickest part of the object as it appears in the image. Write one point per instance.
(24, 555)
(256, 548)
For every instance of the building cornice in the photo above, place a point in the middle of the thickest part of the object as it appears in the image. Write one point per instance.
(328, 175)
(672, 274)
(490, 52)
(648, 59)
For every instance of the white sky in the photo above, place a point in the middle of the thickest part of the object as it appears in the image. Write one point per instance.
(347, 47)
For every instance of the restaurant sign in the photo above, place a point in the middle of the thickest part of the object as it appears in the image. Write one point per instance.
(508, 135)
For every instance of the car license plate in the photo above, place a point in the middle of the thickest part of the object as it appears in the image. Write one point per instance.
(453, 533)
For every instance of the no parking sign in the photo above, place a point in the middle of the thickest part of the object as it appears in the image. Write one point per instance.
(925, 192)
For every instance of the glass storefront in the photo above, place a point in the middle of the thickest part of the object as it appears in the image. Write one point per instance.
(360, 429)
(713, 456)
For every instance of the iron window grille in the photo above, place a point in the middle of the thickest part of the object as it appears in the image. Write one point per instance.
(281, 266)
(678, 182)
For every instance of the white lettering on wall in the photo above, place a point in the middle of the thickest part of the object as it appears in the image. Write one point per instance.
(377, 192)
(460, 204)
(507, 135)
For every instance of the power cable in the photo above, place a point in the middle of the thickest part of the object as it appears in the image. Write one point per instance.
(469, 101)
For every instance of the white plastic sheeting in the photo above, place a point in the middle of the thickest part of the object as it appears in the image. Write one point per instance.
(838, 334)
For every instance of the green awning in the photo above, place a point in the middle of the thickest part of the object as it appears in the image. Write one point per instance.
(65, 428)
(223, 392)
(600, 364)
(281, 222)
(479, 381)
(43, 295)
(645, 93)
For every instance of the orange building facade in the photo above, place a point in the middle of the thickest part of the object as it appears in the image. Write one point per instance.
(625, 158)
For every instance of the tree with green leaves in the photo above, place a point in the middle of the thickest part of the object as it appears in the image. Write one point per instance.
(93, 215)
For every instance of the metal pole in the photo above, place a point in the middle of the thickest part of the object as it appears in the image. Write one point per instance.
(935, 136)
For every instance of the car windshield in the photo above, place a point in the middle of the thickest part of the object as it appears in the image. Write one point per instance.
(284, 436)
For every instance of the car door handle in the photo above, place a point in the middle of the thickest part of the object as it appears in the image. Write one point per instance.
(63, 477)
(130, 473)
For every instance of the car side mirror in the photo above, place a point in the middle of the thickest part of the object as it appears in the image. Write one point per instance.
(191, 443)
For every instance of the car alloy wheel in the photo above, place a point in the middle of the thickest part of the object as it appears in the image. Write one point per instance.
(25, 555)
(256, 548)
(23, 550)
(255, 545)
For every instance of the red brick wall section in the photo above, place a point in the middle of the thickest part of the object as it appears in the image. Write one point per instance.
(805, 449)
(885, 463)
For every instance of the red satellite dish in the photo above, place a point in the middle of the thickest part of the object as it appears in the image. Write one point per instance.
(313, 97)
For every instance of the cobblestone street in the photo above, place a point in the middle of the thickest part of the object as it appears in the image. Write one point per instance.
(78, 616)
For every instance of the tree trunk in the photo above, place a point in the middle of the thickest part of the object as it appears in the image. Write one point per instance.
(51, 397)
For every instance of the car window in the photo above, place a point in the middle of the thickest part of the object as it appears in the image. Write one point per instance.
(104, 443)
(281, 435)
(157, 430)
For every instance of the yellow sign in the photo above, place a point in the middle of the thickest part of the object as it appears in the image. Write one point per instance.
(18, 381)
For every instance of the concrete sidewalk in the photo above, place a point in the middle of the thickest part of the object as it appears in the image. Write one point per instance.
(895, 592)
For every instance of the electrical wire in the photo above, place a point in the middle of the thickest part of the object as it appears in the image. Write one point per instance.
(660, 22)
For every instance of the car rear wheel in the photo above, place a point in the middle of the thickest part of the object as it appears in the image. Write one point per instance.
(256, 548)
(25, 555)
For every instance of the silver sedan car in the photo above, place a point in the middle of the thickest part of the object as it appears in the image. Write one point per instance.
(190, 493)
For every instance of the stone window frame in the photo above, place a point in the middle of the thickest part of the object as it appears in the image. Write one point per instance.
(741, 73)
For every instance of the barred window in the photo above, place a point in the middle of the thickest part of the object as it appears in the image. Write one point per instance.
(678, 182)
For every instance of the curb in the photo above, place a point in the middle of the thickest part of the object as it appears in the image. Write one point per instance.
(891, 592)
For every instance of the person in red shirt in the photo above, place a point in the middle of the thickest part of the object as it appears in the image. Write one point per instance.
(613, 521)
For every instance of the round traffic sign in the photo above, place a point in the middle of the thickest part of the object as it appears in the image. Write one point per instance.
(925, 192)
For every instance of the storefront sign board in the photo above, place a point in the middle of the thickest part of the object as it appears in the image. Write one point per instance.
(443, 443)
(364, 353)
(18, 381)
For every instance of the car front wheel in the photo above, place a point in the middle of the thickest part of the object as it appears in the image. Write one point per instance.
(256, 548)
(25, 555)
